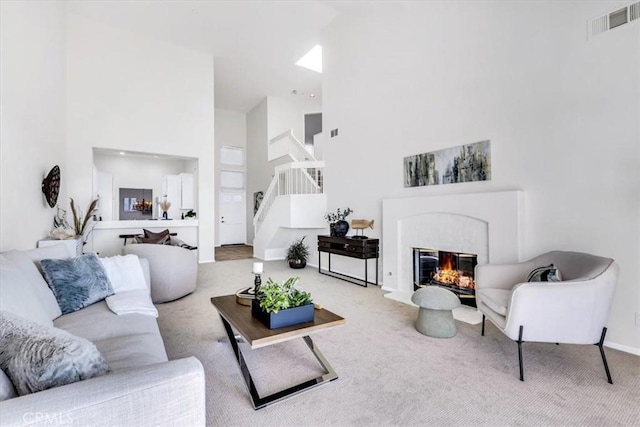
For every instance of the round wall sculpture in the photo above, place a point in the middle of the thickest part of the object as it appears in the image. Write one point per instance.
(51, 186)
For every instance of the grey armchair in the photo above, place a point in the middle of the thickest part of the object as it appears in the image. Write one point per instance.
(573, 311)
(174, 270)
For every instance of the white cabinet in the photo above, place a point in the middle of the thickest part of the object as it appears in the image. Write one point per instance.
(186, 188)
(179, 190)
(171, 190)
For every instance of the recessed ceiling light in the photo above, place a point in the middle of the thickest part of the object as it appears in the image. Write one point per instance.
(122, 153)
(313, 59)
(312, 95)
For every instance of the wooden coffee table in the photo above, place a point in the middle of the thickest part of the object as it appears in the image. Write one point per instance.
(256, 334)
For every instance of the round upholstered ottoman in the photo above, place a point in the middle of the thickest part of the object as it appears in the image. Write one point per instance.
(435, 318)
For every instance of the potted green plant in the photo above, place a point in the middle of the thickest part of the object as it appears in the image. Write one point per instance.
(280, 304)
(337, 225)
(297, 254)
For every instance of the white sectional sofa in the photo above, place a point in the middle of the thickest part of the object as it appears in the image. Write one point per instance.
(143, 386)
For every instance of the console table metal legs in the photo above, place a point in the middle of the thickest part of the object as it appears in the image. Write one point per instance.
(348, 278)
(260, 402)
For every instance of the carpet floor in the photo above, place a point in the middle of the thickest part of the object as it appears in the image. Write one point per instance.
(389, 374)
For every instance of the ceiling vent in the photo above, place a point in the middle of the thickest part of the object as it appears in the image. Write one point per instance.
(614, 19)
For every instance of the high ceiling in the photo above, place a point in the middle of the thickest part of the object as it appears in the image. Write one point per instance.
(255, 44)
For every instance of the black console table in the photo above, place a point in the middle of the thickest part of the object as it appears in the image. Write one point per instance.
(350, 247)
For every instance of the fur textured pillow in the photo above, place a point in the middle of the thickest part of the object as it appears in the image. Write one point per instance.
(37, 357)
(76, 282)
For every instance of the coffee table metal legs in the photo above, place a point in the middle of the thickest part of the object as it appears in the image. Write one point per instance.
(260, 402)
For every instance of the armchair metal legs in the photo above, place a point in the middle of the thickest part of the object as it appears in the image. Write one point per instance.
(520, 342)
(604, 358)
(520, 352)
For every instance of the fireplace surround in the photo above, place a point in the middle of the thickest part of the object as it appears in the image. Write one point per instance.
(488, 225)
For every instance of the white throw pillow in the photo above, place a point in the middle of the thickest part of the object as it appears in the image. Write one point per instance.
(125, 273)
(17, 296)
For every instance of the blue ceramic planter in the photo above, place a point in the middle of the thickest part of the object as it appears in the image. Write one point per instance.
(288, 317)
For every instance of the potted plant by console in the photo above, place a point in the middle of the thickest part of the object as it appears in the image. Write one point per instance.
(297, 254)
(337, 224)
(282, 304)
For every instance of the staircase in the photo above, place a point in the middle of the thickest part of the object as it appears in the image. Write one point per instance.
(294, 201)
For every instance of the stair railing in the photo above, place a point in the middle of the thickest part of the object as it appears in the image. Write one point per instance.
(290, 178)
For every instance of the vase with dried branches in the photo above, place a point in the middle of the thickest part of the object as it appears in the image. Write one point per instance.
(165, 205)
(83, 223)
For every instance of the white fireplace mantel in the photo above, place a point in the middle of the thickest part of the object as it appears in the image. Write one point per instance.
(486, 224)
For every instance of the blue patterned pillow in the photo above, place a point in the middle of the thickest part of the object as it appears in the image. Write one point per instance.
(76, 282)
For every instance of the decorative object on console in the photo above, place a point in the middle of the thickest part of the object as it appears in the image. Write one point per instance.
(361, 224)
(36, 357)
(76, 282)
(337, 225)
(51, 186)
(83, 225)
(282, 304)
(465, 163)
(190, 214)
(297, 254)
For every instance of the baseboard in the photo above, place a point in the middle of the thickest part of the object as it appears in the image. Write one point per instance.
(624, 348)
(206, 261)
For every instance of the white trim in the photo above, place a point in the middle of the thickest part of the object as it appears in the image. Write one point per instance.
(624, 348)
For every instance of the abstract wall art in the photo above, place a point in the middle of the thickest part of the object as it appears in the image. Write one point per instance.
(465, 163)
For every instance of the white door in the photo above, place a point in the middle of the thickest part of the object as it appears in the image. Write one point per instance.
(232, 217)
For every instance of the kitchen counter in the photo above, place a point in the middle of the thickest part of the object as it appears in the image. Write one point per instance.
(106, 242)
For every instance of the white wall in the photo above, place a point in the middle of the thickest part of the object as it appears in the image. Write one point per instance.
(231, 130)
(285, 115)
(138, 172)
(126, 91)
(32, 106)
(561, 112)
(259, 172)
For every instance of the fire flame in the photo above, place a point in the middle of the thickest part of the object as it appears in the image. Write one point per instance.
(447, 275)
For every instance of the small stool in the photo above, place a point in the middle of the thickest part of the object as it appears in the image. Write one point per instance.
(435, 318)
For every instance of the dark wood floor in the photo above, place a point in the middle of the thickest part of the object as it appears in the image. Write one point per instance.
(231, 252)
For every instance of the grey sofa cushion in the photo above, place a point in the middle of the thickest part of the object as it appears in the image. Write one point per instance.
(76, 282)
(125, 341)
(97, 322)
(37, 357)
